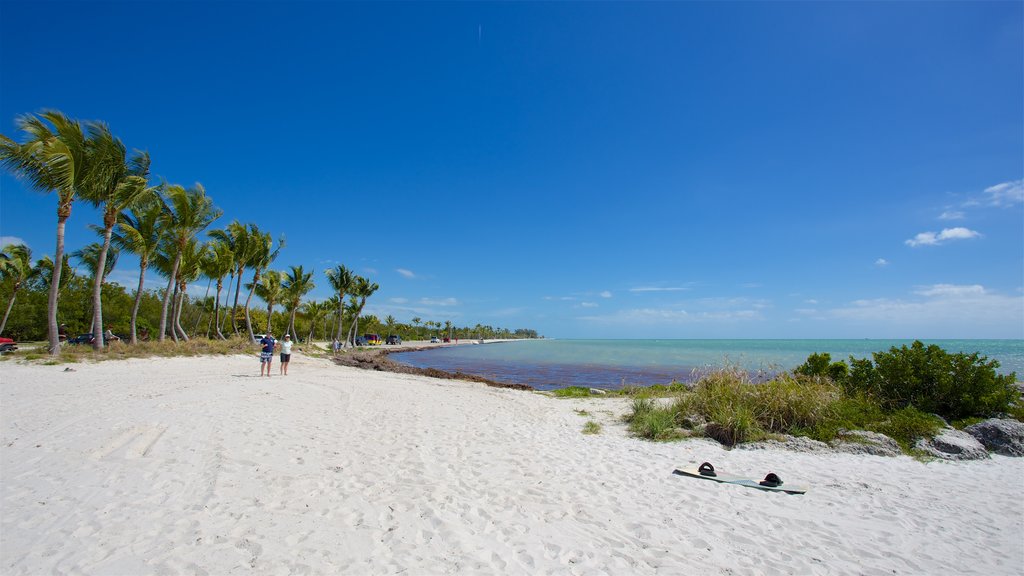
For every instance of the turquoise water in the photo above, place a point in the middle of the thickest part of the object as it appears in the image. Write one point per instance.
(548, 364)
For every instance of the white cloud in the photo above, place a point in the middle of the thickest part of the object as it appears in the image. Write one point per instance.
(952, 215)
(751, 285)
(947, 310)
(588, 304)
(1006, 193)
(811, 301)
(881, 262)
(399, 300)
(933, 239)
(439, 302)
(561, 298)
(5, 240)
(951, 290)
(406, 273)
(657, 289)
(606, 294)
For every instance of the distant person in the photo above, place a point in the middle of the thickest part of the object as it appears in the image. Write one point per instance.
(336, 346)
(286, 353)
(267, 353)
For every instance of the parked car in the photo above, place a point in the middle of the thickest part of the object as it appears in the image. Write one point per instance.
(7, 345)
(373, 339)
(434, 340)
(81, 339)
(393, 340)
(360, 341)
(88, 339)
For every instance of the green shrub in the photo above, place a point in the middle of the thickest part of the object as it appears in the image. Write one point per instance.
(572, 392)
(907, 425)
(655, 424)
(591, 427)
(735, 425)
(787, 403)
(954, 386)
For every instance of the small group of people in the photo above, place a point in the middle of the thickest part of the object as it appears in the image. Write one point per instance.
(267, 353)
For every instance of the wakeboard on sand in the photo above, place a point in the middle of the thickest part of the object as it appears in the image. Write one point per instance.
(771, 481)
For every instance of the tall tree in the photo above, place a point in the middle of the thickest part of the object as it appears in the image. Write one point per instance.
(296, 284)
(139, 231)
(52, 157)
(190, 212)
(89, 256)
(270, 290)
(263, 255)
(340, 278)
(237, 237)
(190, 260)
(218, 263)
(315, 311)
(113, 181)
(362, 289)
(16, 267)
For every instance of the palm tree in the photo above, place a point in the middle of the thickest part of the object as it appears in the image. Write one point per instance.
(296, 284)
(189, 268)
(263, 255)
(390, 321)
(217, 264)
(139, 231)
(113, 181)
(270, 290)
(16, 266)
(52, 158)
(191, 211)
(314, 311)
(340, 279)
(240, 242)
(362, 290)
(89, 256)
(416, 322)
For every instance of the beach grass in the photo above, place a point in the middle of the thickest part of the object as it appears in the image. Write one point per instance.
(591, 427)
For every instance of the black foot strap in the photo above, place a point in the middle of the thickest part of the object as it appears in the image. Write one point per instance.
(771, 480)
(706, 469)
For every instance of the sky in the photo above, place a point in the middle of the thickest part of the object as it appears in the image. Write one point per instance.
(588, 170)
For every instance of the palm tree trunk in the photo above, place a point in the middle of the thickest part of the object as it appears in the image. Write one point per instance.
(138, 300)
(248, 300)
(234, 309)
(216, 308)
(63, 213)
(177, 316)
(10, 304)
(167, 296)
(341, 313)
(291, 323)
(270, 313)
(97, 291)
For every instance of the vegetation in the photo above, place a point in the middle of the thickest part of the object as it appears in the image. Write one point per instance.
(591, 427)
(906, 394)
(167, 227)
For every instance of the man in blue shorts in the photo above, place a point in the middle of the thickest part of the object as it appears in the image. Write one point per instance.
(267, 353)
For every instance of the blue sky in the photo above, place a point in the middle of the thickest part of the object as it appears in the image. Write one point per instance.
(670, 170)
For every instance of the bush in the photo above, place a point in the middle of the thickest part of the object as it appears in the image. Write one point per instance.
(907, 425)
(954, 386)
(591, 427)
(572, 392)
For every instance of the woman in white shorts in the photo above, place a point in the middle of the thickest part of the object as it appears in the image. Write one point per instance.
(286, 353)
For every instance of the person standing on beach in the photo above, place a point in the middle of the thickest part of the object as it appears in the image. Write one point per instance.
(286, 353)
(267, 353)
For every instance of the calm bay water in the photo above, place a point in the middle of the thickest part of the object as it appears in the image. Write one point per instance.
(549, 364)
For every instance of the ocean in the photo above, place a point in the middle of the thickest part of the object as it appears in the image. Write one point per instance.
(552, 363)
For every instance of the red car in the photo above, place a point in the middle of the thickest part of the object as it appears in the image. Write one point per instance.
(7, 345)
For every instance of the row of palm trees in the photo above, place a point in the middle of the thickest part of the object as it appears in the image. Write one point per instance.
(161, 225)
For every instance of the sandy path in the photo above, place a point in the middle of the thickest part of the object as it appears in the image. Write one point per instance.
(198, 466)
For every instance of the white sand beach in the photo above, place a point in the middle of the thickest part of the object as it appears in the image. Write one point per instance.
(198, 466)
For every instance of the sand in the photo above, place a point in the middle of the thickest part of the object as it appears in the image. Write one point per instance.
(199, 466)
